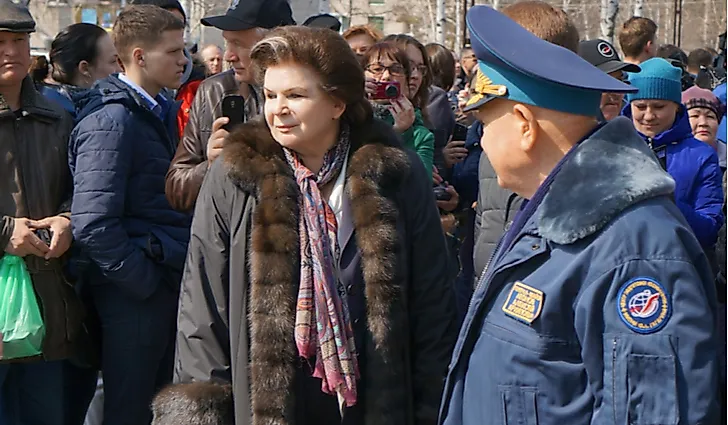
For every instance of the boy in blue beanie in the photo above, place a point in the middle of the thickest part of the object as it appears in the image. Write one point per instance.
(661, 119)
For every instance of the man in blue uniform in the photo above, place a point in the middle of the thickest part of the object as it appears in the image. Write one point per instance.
(598, 306)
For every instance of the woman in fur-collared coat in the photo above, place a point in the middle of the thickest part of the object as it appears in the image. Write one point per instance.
(315, 281)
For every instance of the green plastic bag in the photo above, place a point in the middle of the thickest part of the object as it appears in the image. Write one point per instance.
(21, 323)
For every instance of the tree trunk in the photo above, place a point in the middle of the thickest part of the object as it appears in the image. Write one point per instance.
(323, 6)
(458, 26)
(440, 22)
(661, 29)
(608, 16)
(639, 6)
(565, 5)
(431, 14)
(706, 16)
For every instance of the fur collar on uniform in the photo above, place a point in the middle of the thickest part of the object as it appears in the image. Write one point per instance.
(610, 171)
(377, 166)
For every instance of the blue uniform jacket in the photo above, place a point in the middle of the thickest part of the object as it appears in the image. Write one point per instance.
(601, 310)
(119, 154)
(698, 177)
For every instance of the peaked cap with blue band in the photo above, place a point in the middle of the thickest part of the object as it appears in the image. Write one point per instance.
(517, 65)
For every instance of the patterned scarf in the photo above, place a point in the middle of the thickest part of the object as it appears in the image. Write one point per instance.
(323, 327)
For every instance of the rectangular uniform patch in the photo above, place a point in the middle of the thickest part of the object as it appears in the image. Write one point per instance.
(523, 303)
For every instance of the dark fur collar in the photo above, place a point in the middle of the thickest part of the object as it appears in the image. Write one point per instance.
(377, 166)
(608, 173)
(33, 102)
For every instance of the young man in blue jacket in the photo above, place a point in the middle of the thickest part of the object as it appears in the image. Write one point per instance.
(598, 305)
(132, 243)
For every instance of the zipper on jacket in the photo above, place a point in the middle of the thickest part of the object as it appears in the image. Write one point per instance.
(485, 271)
(614, 379)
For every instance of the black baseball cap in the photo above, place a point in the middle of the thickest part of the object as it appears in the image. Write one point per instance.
(323, 21)
(247, 14)
(164, 4)
(602, 55)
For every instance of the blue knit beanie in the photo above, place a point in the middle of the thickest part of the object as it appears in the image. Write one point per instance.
(659, 80)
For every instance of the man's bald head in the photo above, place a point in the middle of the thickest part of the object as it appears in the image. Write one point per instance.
(212, 56)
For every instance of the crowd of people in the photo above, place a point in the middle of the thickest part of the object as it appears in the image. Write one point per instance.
(353, 228)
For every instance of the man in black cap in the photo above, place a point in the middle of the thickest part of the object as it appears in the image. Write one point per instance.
(243, 25)
(34, 201)
(323, 21)
(602, 55)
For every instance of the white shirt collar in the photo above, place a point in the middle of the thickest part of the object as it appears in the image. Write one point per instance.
(152, 101)
(337, 198)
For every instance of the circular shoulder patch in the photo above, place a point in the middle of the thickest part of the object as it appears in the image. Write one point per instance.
(644, 305)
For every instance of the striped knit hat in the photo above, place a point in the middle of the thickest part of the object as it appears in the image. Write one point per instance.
(695, 97)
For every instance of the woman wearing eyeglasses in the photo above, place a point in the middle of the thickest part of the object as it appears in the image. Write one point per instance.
(436, 110)
(386, 62)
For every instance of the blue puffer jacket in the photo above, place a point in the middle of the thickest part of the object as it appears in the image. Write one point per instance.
(119, 154)
(698, 178)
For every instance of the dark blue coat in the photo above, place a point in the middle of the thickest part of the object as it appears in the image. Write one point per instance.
(601, 311)
(698, 177)
(119, 154)
(61, 96)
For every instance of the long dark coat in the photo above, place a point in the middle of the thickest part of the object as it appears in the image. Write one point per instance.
(238, 301)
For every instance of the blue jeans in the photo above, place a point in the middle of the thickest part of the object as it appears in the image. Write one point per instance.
(31, 393)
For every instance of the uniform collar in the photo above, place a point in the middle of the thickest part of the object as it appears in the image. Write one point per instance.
(607, 173)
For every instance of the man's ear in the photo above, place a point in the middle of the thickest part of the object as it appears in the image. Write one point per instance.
(137, 57)
(650, 48)
(527, 125)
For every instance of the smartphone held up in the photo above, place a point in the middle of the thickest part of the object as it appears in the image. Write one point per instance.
(233, 107)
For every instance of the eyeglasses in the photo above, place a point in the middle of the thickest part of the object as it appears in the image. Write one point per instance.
(378, 69)
(422, 69)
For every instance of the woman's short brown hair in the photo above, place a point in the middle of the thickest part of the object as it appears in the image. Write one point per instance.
(422, 97)
(328, 54)
(391, 51)
(367, 30)
(442, 64)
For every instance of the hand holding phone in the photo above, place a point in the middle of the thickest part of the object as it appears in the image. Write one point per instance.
(460, 132)
(217, 139)
(233, 108)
